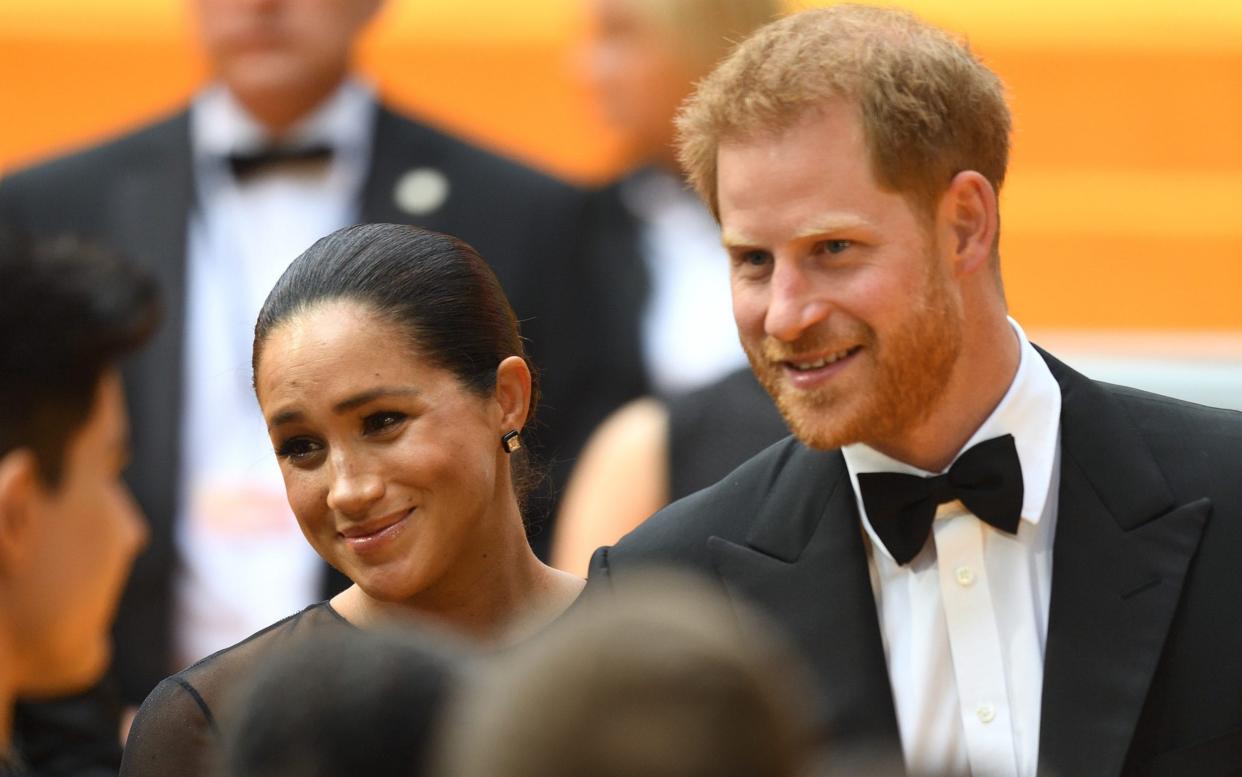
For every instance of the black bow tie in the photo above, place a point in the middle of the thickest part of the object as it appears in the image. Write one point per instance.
(248, 163)
(987, 478)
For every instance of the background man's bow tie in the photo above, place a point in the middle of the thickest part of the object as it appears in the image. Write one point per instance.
(245, 164)
(987, 478)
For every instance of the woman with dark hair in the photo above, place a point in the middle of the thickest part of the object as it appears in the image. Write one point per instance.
(391, 374)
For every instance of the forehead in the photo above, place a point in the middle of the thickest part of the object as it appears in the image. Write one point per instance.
(816, 170)
(333, 346)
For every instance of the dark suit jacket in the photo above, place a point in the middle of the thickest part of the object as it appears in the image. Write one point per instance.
(619, 277)
(134, 195)
(1143, 663)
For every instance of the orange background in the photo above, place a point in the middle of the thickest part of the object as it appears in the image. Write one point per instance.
(1123, 208)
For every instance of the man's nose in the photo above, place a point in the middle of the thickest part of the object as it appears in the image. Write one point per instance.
(794, 304)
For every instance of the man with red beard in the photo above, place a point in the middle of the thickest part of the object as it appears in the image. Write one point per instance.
(993, 562)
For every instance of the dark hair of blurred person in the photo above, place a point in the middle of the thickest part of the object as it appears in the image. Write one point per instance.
(69, 528)
(391, 374)
(372, 708)
(664, 680)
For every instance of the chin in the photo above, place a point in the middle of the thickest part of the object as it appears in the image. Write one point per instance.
(386, 586)
(816, 421)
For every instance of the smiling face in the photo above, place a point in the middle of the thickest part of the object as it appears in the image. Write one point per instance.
(392, 466)
(849, 314)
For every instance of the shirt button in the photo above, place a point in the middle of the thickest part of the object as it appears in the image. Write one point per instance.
(965, 576)
(986, 713)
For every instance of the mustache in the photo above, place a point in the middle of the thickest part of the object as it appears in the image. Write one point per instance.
(811, 344)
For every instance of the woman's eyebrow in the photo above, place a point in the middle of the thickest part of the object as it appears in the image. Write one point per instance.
(358, 400)
(284, 417)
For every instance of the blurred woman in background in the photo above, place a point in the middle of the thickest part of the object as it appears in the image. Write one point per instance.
(391, 374)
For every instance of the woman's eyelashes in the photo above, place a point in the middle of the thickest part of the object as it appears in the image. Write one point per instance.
(298, 449)
(383, 421)
(303, 448)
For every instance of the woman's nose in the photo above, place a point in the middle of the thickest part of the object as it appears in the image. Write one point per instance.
(353, 492)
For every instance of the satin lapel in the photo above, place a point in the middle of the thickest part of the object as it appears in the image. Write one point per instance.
(388, 161)
(149, 220)
(805, 565)
(400, 147)
(1120, 556)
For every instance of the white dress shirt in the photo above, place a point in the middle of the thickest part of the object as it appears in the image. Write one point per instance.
(689, 336)
(244, 562)
(964, 624)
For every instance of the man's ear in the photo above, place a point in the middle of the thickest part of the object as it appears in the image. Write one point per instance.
(513, 387)
(19, 492)
(969, 221)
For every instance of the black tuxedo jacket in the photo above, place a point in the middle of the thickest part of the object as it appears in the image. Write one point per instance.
(1143, 663)
(134, 196)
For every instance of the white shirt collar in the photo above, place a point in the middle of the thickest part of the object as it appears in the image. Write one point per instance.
(1030, 411)
(220, 126)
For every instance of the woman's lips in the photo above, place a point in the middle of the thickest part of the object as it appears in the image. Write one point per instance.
(371, 537)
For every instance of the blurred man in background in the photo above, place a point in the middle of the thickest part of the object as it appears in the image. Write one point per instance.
(282, 147)
(69, 527)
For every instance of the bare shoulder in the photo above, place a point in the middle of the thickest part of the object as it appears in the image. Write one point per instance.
(620, 479)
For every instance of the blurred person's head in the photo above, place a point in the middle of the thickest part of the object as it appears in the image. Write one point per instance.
(351, 703)
(390, 369)
(644, 56)
(281, 58)
(853, 156)
(663, 680)
(69, 527)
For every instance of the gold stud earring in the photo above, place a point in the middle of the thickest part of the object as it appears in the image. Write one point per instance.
(511, 441)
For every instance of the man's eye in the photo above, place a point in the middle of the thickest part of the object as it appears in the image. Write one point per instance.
(378, 422)
(298, 449)
(836, 246)
(753, 258)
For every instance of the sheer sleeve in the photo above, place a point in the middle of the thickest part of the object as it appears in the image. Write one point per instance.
(174, 733)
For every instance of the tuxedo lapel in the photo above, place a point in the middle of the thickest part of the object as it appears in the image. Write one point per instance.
(1120, 556)
(804, 564)
(401, 148)
(149, 219)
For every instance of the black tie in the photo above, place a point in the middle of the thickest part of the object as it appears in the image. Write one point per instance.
(245, 164)
(987, 478)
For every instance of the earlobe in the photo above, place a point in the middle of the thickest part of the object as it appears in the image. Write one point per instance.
(513, 392)
(969, 208)
(18, 487)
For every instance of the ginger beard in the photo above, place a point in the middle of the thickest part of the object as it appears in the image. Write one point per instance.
(896, 382)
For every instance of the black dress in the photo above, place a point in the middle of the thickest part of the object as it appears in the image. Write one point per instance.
(177, 730)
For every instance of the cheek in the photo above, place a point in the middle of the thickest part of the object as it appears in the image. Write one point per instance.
(749, 309)
(307, 495)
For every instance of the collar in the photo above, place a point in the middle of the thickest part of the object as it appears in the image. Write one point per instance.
(1030, 411)
(220, 126)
